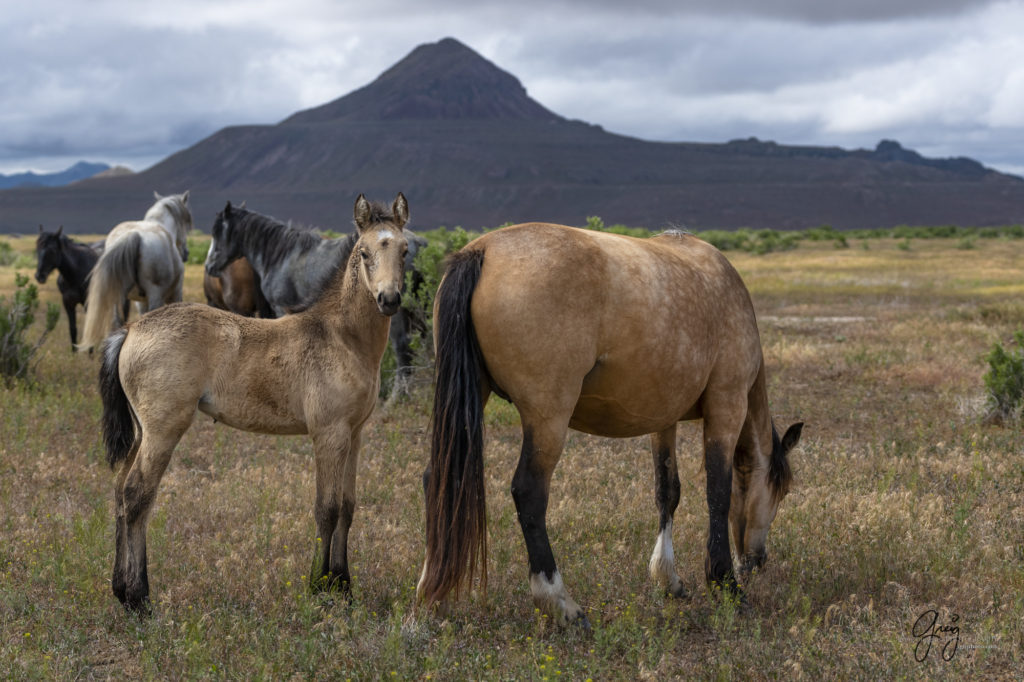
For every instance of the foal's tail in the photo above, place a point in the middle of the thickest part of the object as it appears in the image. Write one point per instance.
(456, 517)
(111, 278)
(118, 423)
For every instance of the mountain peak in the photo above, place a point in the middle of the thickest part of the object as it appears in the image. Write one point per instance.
(442, 80)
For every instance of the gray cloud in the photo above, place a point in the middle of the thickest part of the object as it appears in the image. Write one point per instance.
(132, 83)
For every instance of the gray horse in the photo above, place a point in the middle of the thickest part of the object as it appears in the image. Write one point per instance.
(143, 261)
(293, 266)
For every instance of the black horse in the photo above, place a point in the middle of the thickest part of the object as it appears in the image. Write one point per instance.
(294, 265)
(73, 261)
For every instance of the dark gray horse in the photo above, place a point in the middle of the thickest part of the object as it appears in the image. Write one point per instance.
(73, 262)
(294, 265)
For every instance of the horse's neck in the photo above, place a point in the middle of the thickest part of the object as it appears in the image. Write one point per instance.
(347, 306)
(166, 221)
(759, 414)
(72, 265)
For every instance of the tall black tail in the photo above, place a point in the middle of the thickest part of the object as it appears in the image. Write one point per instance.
(456, 514)
(118, 423)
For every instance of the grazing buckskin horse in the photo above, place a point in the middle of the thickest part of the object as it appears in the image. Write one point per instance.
(612, 336)
(73, 262)
(143, 261)
(292, 266)
(314, 372)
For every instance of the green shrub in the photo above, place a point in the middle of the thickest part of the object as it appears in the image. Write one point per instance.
(1005, 379)
(15, 318)
(7, 254)
(197, 249)
(430, 265)
(724, 240)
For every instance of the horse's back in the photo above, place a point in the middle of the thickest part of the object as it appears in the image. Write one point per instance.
(628, 332)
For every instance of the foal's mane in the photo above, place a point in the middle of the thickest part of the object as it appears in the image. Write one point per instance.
(380, 213)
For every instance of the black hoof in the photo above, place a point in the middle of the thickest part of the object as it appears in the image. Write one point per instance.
(342, 586)
(138, 606)
(727, 588)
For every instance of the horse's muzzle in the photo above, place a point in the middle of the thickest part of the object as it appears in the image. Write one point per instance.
(389, 303)
(40, 278)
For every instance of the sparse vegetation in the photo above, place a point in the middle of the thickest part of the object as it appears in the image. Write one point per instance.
(904, 501)
(1005, 379)
(16, 317)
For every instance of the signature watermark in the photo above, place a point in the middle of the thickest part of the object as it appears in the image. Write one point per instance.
(930, 631)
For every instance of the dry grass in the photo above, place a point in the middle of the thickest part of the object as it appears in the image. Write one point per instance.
(904, 502)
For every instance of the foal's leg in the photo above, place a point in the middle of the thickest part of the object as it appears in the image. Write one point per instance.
(543, 440)
(666, 493)
(117, 580)
(723, 418)
(134, 505)
(336, 451)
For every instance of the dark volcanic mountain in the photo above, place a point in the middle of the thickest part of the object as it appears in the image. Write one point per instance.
(466, 144)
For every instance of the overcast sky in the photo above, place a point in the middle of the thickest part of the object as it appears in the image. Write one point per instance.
(132, 81)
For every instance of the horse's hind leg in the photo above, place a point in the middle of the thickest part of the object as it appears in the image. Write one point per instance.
(543, 440)
(336, 453)
(118, 581)
(666, 493)
(134, 502)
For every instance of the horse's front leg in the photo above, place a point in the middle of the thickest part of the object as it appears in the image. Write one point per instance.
(721, 430)
(336, 451)
(543, 440)
(70, 303)
(662, 566)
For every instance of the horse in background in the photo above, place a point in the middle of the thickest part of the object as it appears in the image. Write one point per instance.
(143, 261)
(314, 372)
(73, 262)
(612, 336)
(236, 290)
(293, 265)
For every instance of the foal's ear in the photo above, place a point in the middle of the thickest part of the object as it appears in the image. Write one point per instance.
(792, 437)
(362, 213)
(40, 228)
(227, 209)
(184, 196)
(156, 195)
(60, 230)
(400, 210)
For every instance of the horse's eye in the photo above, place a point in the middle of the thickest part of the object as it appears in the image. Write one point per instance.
(365, 255)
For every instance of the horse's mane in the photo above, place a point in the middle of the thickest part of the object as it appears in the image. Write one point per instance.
(276, 241)
(780, 475)
(174, 205)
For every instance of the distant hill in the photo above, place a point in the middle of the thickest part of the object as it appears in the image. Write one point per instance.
(80, 171)
(468, 146)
